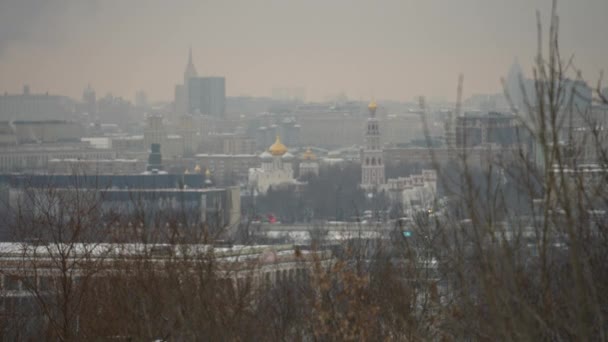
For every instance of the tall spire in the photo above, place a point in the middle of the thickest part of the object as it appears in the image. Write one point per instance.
(190, 69)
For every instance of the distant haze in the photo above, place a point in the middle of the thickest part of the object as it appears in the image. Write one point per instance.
(386, 49)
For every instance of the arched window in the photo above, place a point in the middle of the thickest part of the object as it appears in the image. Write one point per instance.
(379, 161)
(373, 161)
(366, 161)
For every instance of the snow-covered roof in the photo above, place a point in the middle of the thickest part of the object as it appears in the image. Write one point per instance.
(266, 155)
(288, 156)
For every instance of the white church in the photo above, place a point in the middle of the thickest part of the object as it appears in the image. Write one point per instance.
(276, 169)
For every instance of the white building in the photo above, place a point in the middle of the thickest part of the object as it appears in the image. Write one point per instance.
(172, 145)
(309, 164)
(372, 165)
(276, 169)
(415, 192)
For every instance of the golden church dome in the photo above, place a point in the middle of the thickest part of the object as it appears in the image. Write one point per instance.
(372, 105)
(207, 173)
(277, 149)
(197, 169)
(308, 155)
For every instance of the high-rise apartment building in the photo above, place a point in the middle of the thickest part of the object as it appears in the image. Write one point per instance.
(89, 100)
(155, 132)
(207, 95)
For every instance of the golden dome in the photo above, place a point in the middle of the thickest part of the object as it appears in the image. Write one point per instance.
(372, 105)
(308, 155)
(187, 172)
(197, 168)
(207, 173)
(277, 149)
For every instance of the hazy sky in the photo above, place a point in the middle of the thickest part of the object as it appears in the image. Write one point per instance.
(386, 49)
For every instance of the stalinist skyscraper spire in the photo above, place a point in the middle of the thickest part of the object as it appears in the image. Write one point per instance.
(182, 91)
(372, 165)
(190, 69)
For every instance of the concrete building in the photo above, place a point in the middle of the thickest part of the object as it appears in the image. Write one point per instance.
(125, 144)
(238, 144)
(155, 159)
(419, 155)
(576, 95)
(28, 106)
(184, 143)
(180, 100)
(287, 127)
(89, 101)
(48, 131)
(228, 169)
(187, 130)
(331, 129)
(141, 99)
(229, 143)
(35, 158)
(478, 156)
(172, 145)
(265, 135)
(155, 132)
(474, 129)
(155, 193)
(116, 110)
(96, 166)
(207, 95)
(403, 128)
(291, 130)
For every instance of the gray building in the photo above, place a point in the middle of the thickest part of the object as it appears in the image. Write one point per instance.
(207, 95)
(475, 129)
(28, 106)
(155, 195)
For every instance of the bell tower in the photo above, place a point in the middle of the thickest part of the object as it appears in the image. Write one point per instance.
(372, 163)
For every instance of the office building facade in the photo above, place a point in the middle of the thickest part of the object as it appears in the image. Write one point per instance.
(207, 96)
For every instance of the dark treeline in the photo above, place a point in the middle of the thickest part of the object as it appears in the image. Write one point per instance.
(333, 195)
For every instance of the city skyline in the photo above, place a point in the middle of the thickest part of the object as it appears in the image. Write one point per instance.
(388, 50)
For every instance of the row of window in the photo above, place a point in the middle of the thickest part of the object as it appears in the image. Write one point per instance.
(373, 161)
(14, 283)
